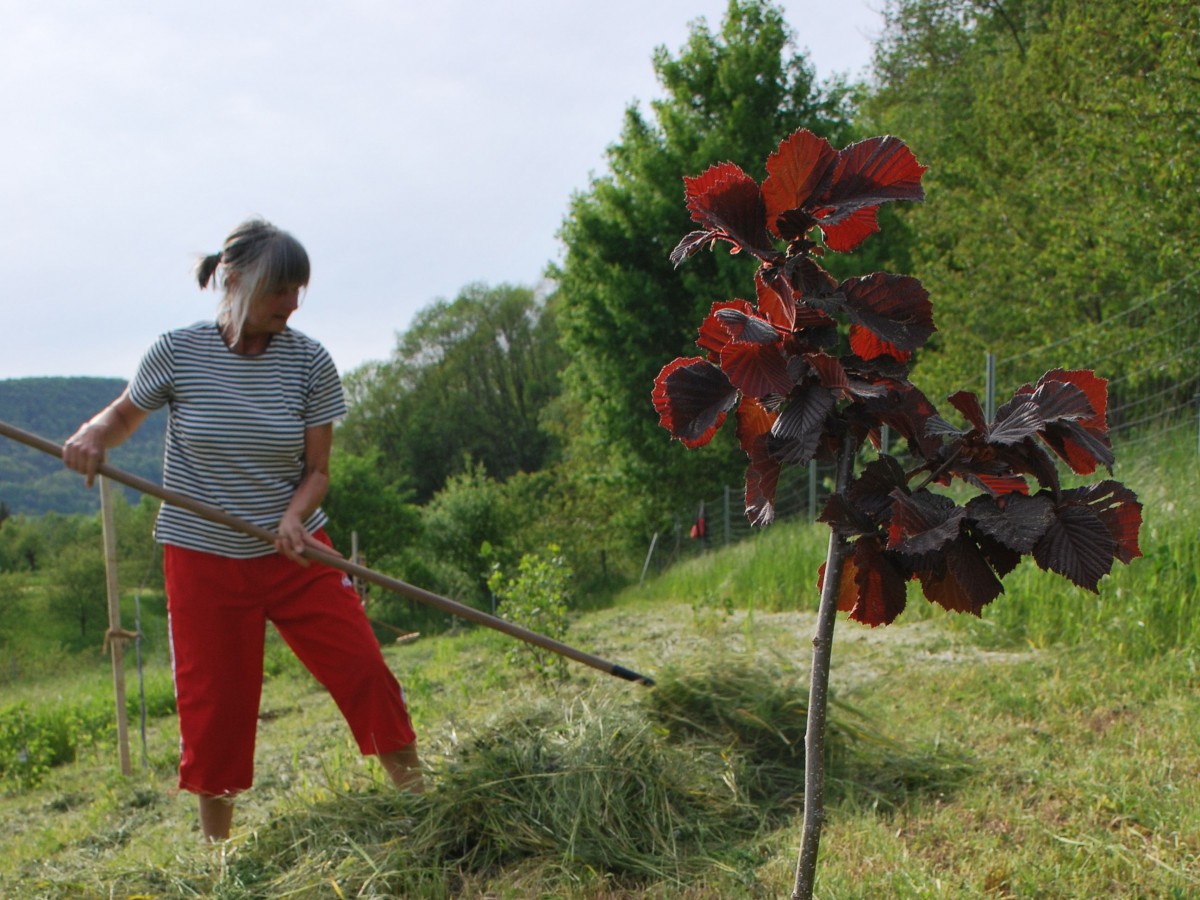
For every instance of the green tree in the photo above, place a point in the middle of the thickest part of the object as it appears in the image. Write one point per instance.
(77, 587)
(1062, 142)
(468, 380)
(361, 500)
(626, 312)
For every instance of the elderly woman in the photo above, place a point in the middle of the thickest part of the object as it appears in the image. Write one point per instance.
(252, 406)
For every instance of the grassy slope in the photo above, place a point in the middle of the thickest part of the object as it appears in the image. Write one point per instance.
(1012, 765)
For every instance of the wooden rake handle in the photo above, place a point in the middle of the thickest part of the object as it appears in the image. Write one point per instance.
(213, 514)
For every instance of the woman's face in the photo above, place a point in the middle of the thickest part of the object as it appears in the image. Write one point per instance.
(271, 313)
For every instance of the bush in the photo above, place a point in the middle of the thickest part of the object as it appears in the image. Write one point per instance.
(536, 598)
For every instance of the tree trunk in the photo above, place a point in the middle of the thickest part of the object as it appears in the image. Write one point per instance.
(818, 694)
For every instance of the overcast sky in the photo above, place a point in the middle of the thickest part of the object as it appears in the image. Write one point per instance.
(414, 148)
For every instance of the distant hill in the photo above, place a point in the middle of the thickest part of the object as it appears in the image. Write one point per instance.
(32, 482)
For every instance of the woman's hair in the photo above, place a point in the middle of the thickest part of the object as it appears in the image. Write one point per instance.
(256, 261)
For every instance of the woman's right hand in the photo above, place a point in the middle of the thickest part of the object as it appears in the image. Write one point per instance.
(85, 450)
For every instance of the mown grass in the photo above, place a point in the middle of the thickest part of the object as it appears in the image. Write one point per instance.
(1048, 750)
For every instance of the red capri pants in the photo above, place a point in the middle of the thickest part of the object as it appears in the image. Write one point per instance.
(218, 609)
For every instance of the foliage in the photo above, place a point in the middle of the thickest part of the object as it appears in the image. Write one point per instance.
(466, 382)
(32, 482)
(467, 515)
(361, 500)
(728, 94)
(802, 391)
(536, 598)
(78, 588)
(1061, 138)
(34, 739)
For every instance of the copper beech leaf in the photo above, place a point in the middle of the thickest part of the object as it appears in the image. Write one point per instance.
(762, 474)
(1118, 509)
(795, 172)
(1015, 520)
(1077, 545)
(797, 431)
(867, 174)
(692, 397)
(728, 204)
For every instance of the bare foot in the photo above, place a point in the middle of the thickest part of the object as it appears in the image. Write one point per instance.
(404, 768)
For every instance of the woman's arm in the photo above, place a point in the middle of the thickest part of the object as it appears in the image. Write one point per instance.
(293, 538)
(87, 447)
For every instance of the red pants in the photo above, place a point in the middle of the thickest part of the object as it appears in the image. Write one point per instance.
(217, 612)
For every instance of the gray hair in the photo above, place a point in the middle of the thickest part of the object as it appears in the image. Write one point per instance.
(257, 260)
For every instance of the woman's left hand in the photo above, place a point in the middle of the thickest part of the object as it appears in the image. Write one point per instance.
(294, 539)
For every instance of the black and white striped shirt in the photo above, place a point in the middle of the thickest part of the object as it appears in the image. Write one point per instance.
(235, 434)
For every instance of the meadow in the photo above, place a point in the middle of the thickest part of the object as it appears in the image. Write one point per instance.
(1049, 749)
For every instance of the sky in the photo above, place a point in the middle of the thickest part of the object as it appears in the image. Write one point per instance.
(413, 148)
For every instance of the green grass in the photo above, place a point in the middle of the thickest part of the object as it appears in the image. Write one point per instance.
(1051, 749)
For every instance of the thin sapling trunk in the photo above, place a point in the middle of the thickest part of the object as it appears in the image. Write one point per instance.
(818, 694)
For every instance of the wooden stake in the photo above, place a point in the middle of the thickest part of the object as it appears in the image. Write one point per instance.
(115, 640)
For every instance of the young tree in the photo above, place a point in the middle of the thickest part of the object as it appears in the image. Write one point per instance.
(814, 368)
(728, 94)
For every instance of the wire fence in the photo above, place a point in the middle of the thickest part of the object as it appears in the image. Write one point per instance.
(1149, 353)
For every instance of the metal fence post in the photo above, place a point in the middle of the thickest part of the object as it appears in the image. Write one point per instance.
(989, 396)
(727, 515)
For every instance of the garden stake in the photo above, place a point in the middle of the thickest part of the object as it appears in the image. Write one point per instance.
(337, 562)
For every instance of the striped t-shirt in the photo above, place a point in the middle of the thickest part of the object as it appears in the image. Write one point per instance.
(235, 433)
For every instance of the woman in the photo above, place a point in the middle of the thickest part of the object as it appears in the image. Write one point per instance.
(252, 406)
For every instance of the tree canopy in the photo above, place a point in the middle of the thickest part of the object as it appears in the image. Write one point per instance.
(467, 381)
(1064, 150)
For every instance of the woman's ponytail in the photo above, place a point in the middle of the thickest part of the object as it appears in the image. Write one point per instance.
(206, 267)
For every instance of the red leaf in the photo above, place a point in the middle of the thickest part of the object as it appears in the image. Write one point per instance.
(779, 310)
(1076, 429)
(895, 308)
(830, 372)
(852, 230)
(757, 370)
(923, 522)
(798, 429)
(1118, 508)
(847, 588)
(1092, 385)
(968, 404)
(727, 202)
(865, 344)
(714, 332)
(691, 244)
(762, 475)
(1003, 484)
(795, 172)
(1077, 545)
(961, 580)
(1015, 421)
(1015, 520)
(872, 491)
(881, 589)
(908, 411)
(692, 397)
(866, 174)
